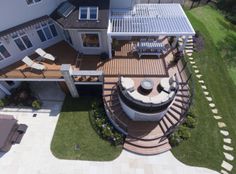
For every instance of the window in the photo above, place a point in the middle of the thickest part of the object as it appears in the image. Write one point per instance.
(90, 40)
(10, 83)
(46, 31)
(67, 37)
(22, 41)
(3, 52)
(88, 13)
(29, 2)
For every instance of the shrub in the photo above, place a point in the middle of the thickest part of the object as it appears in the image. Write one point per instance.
(184, 132)
(102, 125)
(2, 103)
(175, 139)
(190, 122)
(36, 104)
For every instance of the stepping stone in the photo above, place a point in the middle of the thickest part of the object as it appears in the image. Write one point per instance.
(192, 62)
(228, 148)
(212, 105)
(221, 124)
(209, 99)
(206, 93)
(198, 76)
(227, 166)
(204, 87)
(224, 132)
(201, 81)
(214, 111)
(195, 67)
(228, 156)
(189, 51)
(227, 140)
(189, 47)
(189, 54)
(217, 117)
(190, 58)
(224, 172)
(196, 71)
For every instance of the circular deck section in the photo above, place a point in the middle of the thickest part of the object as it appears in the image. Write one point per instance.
(141, 107)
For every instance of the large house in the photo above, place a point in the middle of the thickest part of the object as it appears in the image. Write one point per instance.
(126, 47)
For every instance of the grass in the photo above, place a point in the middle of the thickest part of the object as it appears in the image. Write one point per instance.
(222, 33)
(205, 146)
(73, 128)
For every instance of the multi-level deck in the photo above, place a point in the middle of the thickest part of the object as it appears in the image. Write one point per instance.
(141, 137)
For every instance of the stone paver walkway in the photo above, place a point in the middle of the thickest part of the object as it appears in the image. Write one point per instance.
(227, 163)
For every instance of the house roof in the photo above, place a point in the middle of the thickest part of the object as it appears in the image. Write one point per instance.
(73, 22)
(150, 19)
(24, 25)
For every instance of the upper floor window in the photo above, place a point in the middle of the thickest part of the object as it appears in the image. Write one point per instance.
(29, 2)
(46, 31)
(88, 13)
(22, 41)
(3, 52)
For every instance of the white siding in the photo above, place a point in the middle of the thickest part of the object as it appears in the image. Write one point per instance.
(121, 3)
(78, 45)
(17, 55)
(15, 12)
(5, 85)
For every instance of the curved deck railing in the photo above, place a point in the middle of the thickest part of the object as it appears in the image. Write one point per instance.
(185, 82)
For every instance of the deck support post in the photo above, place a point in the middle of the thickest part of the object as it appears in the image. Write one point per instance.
(184, 43)
(109, 42)
(66, 72)
(175, 42)
(5, 90)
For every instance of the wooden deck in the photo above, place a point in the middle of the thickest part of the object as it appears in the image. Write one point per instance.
(122, 64)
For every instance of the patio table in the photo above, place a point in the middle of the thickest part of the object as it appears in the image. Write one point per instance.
(150, 48)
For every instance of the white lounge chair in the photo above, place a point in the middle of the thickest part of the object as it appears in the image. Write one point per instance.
(32, 64)
(44, 55)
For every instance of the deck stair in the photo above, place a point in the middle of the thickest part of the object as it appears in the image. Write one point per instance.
(146, 138)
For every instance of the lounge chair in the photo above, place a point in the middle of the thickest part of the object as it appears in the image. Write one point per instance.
(44, 55)
(32, 64)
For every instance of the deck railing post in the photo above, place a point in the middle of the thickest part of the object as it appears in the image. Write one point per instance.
(66, 72)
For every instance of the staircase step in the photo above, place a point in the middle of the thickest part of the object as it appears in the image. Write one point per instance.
(178, 105)
(182, 101)
(147, 151)
(174, 116)
(145, 144)
(176, 110)
(144, 132)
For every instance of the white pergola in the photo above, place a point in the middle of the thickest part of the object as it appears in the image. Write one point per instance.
(150, 20)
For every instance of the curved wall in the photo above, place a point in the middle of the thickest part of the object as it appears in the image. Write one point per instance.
(138, 116)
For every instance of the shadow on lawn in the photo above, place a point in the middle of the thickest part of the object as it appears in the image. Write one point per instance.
(227, 47)
(82, 103)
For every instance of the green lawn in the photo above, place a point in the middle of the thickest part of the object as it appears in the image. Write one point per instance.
(205, 146)
(73, 128)
(222, 33)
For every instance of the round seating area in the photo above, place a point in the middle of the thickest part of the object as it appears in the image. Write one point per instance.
(148, 104)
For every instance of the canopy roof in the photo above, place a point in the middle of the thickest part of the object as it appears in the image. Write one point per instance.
(150, 20)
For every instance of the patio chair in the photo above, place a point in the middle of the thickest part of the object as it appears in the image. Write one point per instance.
(44, 55)
(32, 64)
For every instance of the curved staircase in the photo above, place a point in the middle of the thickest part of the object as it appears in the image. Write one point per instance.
(146, 138)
